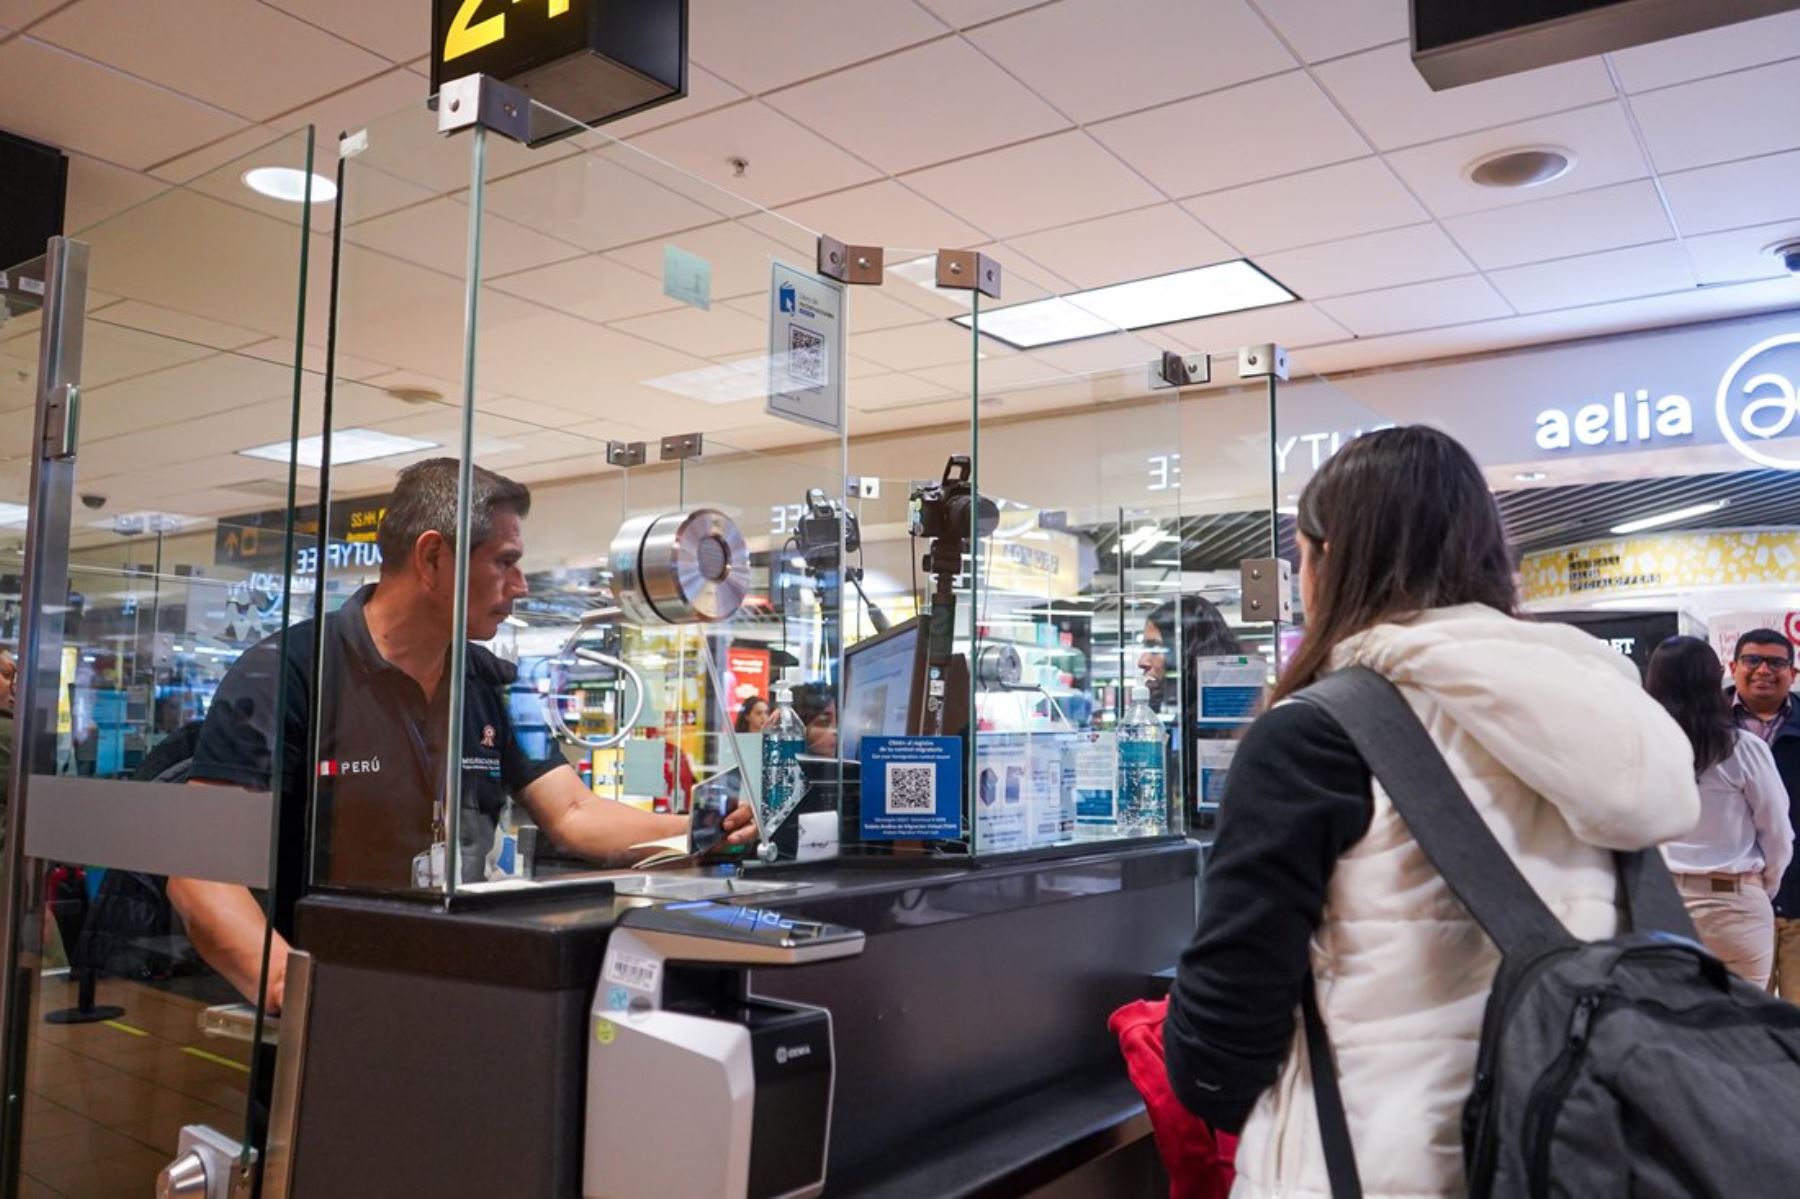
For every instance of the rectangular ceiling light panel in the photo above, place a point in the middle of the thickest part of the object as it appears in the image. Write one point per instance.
(1235, 286)
(347, 446)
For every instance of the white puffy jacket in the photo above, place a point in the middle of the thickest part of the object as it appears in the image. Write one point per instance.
(1566, 758)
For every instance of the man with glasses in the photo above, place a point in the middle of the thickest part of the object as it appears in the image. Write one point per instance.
(1762, 675)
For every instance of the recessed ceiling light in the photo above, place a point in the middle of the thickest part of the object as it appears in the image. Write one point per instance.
(1669, 518)
(347, 446)
(725, 383)
(288, 185)
(1531, 476)
(1531, 166)
(1234, 286)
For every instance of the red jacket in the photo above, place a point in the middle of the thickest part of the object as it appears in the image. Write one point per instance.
(1199, 1161)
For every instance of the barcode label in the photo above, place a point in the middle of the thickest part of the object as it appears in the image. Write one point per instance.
(629, 970)
(911, 787)
(805, 357)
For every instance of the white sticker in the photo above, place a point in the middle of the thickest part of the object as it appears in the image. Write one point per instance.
(629, 970)
(352, 144)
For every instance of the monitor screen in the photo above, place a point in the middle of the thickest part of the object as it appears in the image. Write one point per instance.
(878, 684)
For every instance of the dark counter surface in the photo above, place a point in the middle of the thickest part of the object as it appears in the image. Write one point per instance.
(554, 938)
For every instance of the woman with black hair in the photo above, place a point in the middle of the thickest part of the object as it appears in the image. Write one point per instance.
(1730, 865)
(1314, 879)
(752, 715)
(1191, 627)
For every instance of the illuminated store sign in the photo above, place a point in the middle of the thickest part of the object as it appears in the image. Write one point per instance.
(1757, 402)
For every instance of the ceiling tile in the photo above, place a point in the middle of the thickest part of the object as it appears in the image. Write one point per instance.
(134, 36)
(98, 189)
(598, 200)
(397, 32)
(1742, 254)
(1390, 101)
(16, 14)
(1735, 194)
(740, 253)
(1255, 131)
(964, 13)
(1389, 259)
(1596, 278)
(1601, 137)
(884, 214)
(436, 235)
(1321, 29)
(68, 101)
(1324, 205)
(718, 333)
(178, 326)
(1290, 325)
(1712, 52)
(786, 161)
(1131, 245)
(922, 106)
(776, 42)
(1053, 181)
(222, 153)
(590, 287)
(910, 347)
(706, 91)
(359, 106)
(1626, 214)
(892, 391)
(1717, 120)
(1419, 306)
(1069, 53)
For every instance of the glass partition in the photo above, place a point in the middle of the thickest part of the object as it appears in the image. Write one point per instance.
(149, 600)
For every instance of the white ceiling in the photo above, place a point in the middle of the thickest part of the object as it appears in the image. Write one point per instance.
(1079, 142)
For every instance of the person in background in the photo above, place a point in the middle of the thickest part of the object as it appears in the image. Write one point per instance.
(1405, 569)
(9, 674)
(753, 715)
(1730, 865)
(1193, 626)
(1762, 677)
(816, 705)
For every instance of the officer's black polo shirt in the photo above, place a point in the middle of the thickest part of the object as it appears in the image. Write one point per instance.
(381, 754)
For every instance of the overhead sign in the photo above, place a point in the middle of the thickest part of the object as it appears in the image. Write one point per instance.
(1663, 562)
(806, 348)
(589, 60)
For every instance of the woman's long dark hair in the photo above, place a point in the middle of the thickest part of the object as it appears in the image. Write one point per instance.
(742, 724)
(1398, 521)
(1686, 678)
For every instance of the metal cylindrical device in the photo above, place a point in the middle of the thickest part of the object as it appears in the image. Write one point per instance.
(680, 567)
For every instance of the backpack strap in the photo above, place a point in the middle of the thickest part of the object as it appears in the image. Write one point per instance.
(1334, 1125)
(1652, 904)
(1400, 754)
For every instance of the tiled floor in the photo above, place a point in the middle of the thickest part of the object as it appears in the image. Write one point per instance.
(106, 1102)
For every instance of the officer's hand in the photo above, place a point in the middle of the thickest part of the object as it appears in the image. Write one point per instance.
(739, 826)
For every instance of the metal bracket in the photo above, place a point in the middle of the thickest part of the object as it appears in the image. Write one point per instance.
(1181, 370)
(966, 270)
(850, 264)
(681, 446)
(1267, 588)
(625, 453)
(1267, 361)
(485, 101)
(62, 423)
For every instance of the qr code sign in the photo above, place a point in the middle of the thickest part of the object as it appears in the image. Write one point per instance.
(805, 357)
(911, 787)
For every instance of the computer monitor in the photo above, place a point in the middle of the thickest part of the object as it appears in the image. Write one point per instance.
(879, 677)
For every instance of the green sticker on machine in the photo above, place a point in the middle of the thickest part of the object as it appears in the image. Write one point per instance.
(604, 1032)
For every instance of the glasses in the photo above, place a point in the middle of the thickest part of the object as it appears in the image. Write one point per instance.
(1758, 661)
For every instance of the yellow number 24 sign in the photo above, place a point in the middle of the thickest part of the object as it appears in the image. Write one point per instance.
(468, 35)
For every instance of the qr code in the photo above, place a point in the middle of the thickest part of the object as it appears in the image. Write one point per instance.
(911, 787)
(806, 357)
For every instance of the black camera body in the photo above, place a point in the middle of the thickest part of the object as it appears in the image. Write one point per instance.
(944, 510)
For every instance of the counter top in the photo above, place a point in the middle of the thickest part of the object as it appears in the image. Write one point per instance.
(553, 939)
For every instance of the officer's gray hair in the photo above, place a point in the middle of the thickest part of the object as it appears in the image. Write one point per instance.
(424, 500)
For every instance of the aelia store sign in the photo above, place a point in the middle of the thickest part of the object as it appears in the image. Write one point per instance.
(1756, 403)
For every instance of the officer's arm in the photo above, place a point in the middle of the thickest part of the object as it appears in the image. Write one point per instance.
(226, 925)
(603, 829)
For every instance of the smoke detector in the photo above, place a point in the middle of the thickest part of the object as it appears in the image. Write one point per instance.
(1530, 166)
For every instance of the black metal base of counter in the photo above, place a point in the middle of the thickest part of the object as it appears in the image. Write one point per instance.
(447, 1051)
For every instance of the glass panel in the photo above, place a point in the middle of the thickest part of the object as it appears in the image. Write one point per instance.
(143, 902)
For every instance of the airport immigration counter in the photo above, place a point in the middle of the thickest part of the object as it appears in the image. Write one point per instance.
(446, 1053)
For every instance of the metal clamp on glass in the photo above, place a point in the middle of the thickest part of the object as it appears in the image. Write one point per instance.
(752, 1078)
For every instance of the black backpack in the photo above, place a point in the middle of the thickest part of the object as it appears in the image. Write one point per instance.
(1634, 1066)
